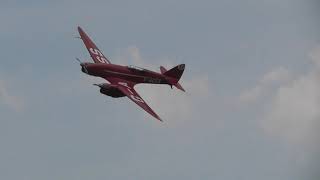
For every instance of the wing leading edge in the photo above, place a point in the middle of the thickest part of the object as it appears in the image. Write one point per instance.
(127, 89)
(94, 51)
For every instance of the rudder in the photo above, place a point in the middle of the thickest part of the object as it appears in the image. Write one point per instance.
(174, 73)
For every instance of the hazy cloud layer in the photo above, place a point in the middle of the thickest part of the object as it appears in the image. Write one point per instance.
(287, 107)
(294, 112)
(269, 81)
(292, 109)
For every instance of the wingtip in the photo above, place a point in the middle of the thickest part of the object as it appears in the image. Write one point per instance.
(157, 117)
(80, 29)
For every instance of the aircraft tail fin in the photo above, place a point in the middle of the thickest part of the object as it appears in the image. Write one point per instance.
(174, 74)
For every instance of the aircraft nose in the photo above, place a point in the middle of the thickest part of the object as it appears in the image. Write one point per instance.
(83, 68)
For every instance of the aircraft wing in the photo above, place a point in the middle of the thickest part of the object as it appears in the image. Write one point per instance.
(95, 53)
(127, 88)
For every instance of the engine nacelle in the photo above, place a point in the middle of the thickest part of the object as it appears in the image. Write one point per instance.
(110, 90)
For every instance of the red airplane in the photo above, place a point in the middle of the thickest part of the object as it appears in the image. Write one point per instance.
(122, 79)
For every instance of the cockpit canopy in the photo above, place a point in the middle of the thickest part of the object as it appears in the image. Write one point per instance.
(136, 68)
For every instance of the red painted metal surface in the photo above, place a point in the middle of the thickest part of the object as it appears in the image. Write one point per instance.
(122, 79)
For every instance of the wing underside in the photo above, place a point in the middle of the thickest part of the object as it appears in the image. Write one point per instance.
(127, 89)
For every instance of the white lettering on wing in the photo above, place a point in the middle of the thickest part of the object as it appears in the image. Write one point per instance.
(133, 96)
(99, 56)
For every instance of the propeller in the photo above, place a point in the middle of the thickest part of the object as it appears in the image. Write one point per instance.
(99, 85)
(83, 66)
(79, 60)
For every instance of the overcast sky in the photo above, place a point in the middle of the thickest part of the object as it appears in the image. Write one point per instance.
(251, 111)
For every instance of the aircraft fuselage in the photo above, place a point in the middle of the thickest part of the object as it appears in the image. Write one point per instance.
(124, 72)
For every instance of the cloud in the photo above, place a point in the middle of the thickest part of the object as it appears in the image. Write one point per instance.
(294, 111)
(290, 103)
(287, 108)
(14, 102)
(293, 116)
(172, 105)
(267, 82)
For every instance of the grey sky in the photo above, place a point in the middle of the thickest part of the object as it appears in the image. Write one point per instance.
(251, 110)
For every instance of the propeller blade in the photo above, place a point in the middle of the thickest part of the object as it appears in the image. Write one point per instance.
(99, 85)
(78, 60)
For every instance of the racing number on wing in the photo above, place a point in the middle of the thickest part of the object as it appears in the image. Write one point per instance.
(99, 56)
(133, 96)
